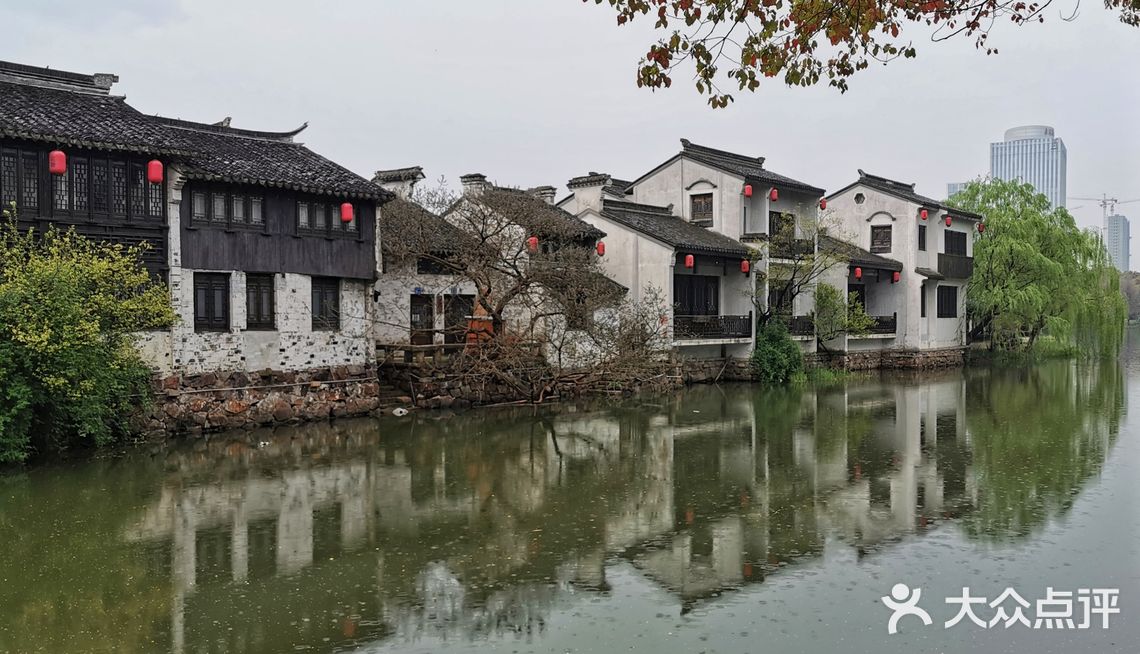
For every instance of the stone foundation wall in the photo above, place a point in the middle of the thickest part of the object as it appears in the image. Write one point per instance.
(895, 359)
(708, 371)
(438, 388)
(235, 400)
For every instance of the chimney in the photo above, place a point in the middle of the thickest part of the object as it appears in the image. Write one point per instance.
(544, 193)
(474, 183)
(587, 190)
(104, 80)
(401, 181)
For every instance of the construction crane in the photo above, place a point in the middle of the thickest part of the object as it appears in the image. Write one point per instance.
(1107, 204)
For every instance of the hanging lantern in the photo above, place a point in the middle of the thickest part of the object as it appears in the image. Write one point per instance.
(57, 162)
(895, 277)
(154, 171)
(532, 244)
(858, 273)
(689, 261)
(747, 190)
(346, 213)
(745, 266)
(823, 203)
(948, 221)
(981, 228)
(773, 195)
(601, 249)
(924, 214)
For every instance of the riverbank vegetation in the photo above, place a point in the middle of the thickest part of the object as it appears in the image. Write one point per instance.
(1040, 282)
(69, 307)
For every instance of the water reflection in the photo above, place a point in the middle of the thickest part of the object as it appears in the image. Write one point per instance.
(486, 524)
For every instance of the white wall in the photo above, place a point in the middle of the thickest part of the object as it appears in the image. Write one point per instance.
(293, 345)
(879, 208)
(395, 288)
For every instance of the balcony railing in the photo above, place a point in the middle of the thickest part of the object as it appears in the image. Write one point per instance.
(955, 266)
(788, 249)
(885, 324)
(799, 325)
(694, 327)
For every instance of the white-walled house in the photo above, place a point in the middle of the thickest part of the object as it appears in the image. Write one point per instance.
(736, 196)
(696, 271)
(418, 302)
(933, 242)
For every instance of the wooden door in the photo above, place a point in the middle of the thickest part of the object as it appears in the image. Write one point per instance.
(422, 320)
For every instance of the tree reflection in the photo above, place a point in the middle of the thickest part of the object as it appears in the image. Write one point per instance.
(1038, 434)
(481, 526)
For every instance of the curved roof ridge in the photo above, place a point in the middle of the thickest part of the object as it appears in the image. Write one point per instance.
(226, 130)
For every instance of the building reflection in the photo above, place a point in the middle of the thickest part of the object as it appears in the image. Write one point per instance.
(481, 526)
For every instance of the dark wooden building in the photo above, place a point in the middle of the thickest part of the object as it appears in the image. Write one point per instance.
(269, 249)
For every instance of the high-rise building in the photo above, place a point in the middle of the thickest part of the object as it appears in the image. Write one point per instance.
(1032, 154)
(954, 187)
(1116, 235)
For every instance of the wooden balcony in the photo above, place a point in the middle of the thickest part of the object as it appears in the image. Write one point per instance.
(955, 266)
(701, 327)
(790, 249)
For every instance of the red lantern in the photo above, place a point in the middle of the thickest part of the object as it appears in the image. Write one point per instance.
(858, 273)
(745, 266)
(601, 249)
(747, 190)
(532, 244)
(924, 214)
(689, 262)
(346, 213)
(981, 228)
(773, 195)
(823, 203)
(57, 162)
(895, 277)
(948, 220)
(154, 171)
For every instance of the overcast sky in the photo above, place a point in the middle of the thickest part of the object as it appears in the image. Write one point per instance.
(534, 92)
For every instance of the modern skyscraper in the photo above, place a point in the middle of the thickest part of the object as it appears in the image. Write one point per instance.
(1116, 235)
(954, 187)
(1032, 154)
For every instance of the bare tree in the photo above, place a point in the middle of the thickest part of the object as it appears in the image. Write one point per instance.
(547, 320)
(800, 252)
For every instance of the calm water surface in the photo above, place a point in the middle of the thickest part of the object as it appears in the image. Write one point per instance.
(730, 519)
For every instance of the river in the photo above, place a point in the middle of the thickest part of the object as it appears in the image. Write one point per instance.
(718, 519)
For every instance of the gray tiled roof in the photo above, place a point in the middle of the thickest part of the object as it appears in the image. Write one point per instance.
(856, 255)
(750, 168)
(70, 109)
(538, 211)
(661, 224)
(402, 220)
(81, 119)
(265, 159)
(905, 191)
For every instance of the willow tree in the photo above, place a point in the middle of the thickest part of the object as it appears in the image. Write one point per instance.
(740, 42)
(1036, 272)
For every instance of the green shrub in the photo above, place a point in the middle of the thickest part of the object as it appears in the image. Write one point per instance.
(777, 358)
(69, 375)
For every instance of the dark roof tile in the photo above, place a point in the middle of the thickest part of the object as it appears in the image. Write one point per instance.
(265, 159)
(538, 212)
(661, 224)
(905, 191)
(750, 168)
(71, 109)
(856, 255)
